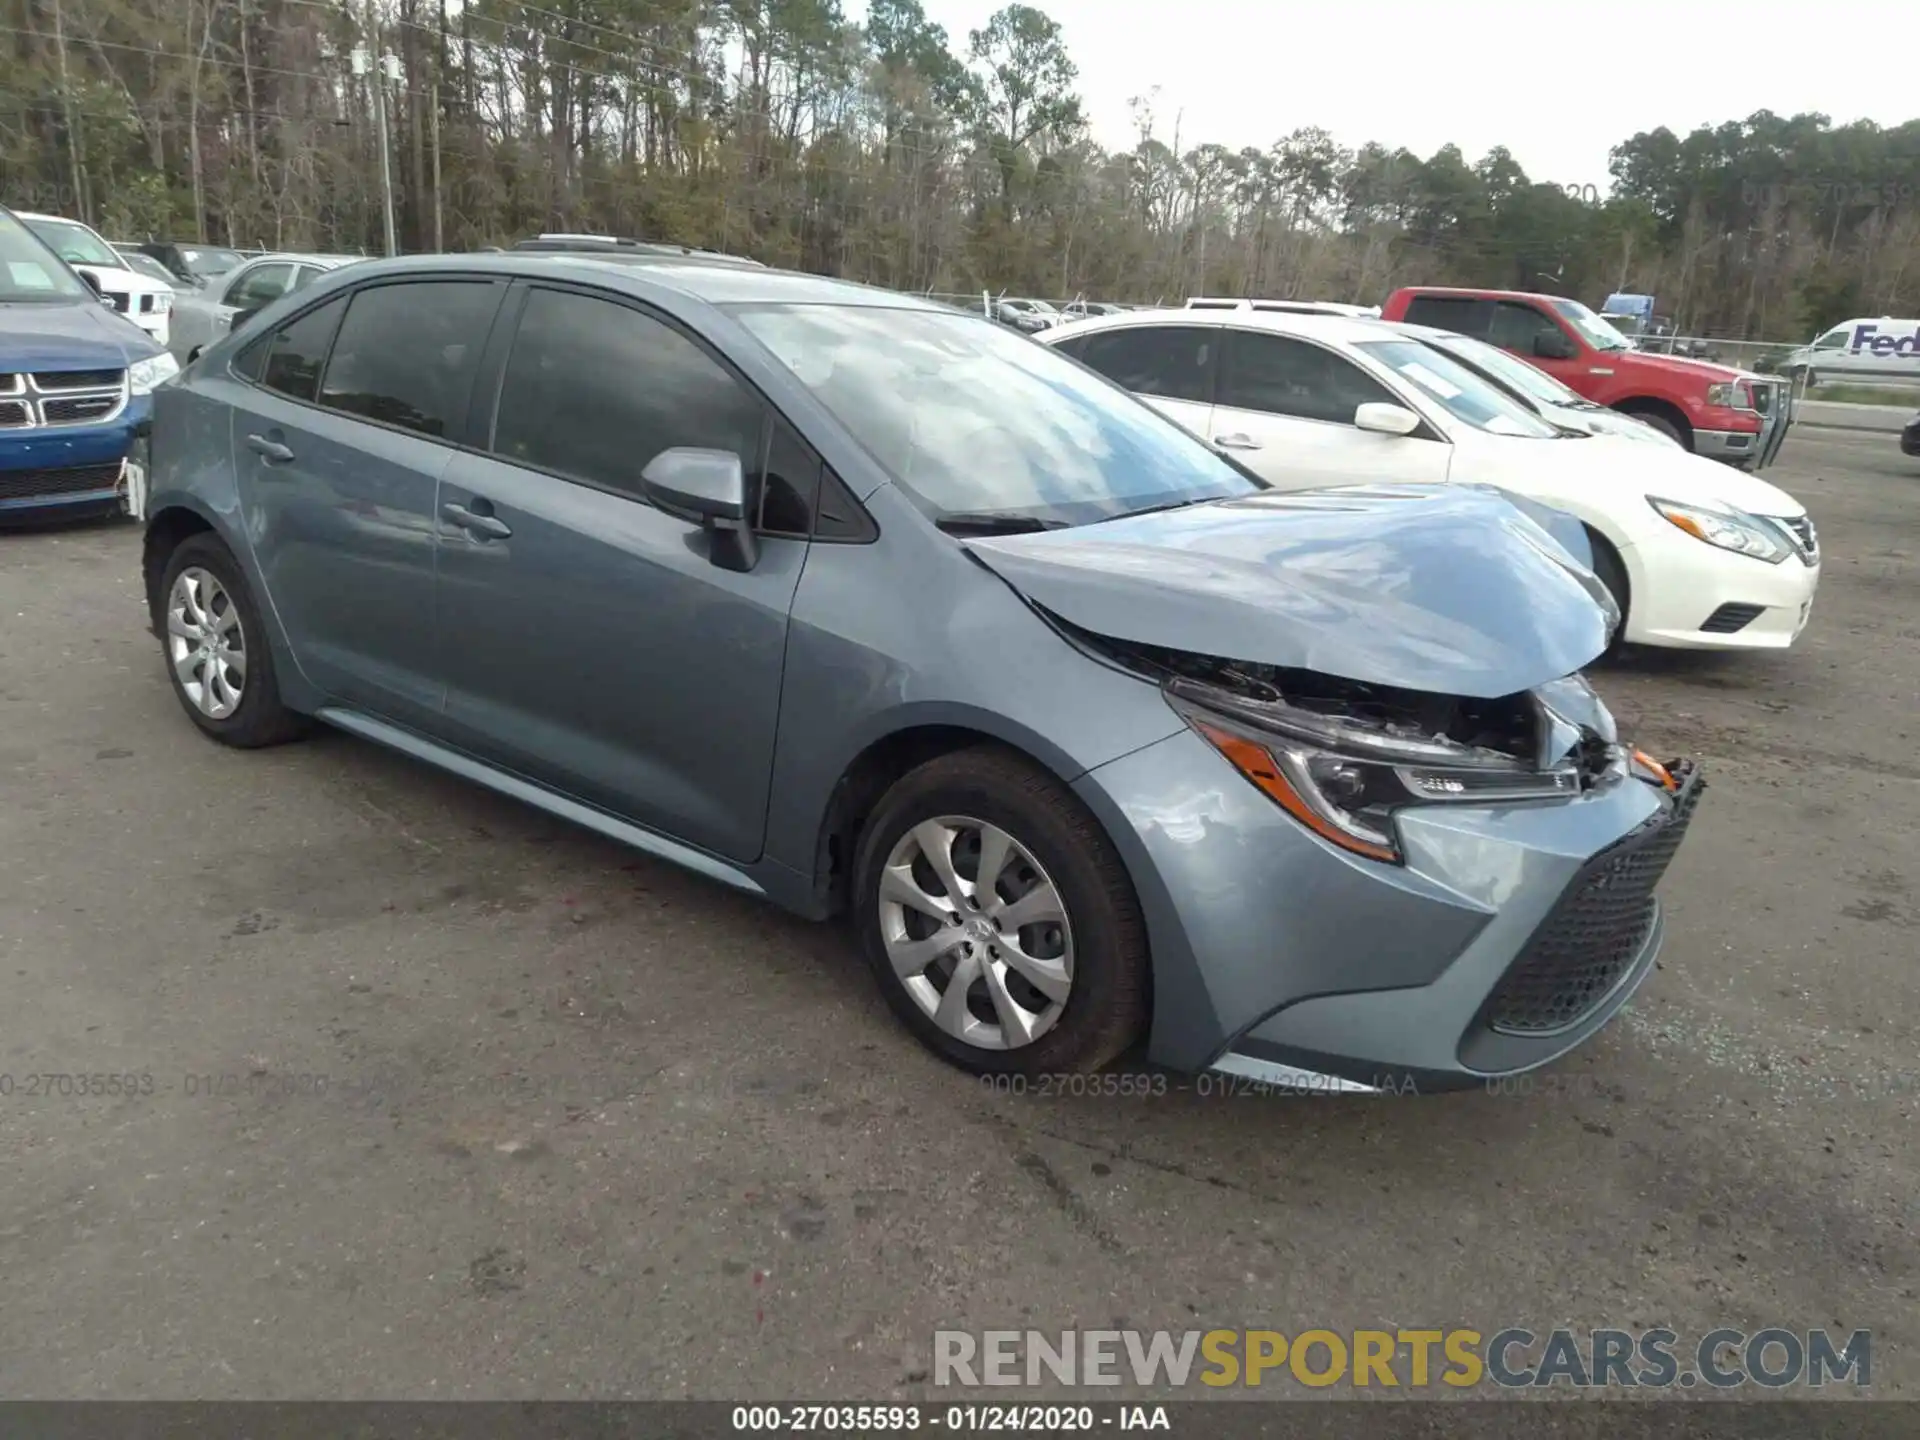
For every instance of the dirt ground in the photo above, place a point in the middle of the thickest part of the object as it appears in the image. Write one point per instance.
(444, 1098)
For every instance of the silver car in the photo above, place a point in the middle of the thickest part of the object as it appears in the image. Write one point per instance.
(202, 316)
(880, 611)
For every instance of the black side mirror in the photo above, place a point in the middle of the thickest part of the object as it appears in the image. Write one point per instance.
(89, 279)
(1552, 345)
(708, 487)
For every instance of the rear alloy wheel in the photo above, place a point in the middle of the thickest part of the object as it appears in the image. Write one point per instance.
(998, 919)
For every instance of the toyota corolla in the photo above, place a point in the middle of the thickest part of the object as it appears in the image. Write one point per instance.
(882, 611)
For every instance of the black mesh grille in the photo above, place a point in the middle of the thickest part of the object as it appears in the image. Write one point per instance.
(51, 380)
(1762, 398)
(75, 410)
(30, 484)
(1591, 938)
(14, 414)
(1730, 618)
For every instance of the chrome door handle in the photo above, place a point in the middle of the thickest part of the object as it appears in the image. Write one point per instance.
(270, 450)
(486, 527)
(1235, 441)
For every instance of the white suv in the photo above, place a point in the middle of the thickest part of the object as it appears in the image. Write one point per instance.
(148, 303)
(1697, 555)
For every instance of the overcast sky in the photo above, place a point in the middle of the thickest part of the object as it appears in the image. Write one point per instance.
(1558, 83)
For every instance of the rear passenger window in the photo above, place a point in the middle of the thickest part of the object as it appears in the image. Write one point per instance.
(1459, 313)
(594, 390)
(1172, 361)
(407, 353)
(295, 354)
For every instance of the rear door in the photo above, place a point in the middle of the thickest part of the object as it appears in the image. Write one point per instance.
(1285, 409)
(338, 448)
(588, 639)
(1171, 367)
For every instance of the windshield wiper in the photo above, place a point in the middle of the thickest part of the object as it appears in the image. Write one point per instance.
(994, 522)
(1163, 505)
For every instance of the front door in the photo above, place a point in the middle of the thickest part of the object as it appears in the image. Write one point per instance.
(1285, 406)
(588, 639)
(338, 448)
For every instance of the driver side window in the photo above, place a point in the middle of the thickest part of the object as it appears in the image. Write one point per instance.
(1279, 375)
(259, 286)
(1516, 326)
(1834, 339)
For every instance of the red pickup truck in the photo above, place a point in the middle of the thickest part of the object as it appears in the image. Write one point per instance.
(1713, 410)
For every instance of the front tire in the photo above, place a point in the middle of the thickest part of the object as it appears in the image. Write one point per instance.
(1610, 572)
(999, 920)
(216, 649)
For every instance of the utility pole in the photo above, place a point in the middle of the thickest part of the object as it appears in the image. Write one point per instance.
(387, 69)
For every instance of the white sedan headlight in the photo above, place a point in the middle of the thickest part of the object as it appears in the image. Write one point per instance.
(1729, 530)
(146, 376)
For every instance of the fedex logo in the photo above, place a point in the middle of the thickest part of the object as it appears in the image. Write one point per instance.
(1868, 339)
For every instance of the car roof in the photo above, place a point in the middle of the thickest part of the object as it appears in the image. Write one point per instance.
(298, 257)
(715, 281)
(38, 215)
(1474, 292)
(1341, 329)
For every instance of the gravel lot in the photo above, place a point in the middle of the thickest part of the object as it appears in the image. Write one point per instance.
(594, 1127)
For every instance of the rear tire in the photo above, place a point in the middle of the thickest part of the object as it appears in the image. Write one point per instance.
(216, 649)
(1051, 954)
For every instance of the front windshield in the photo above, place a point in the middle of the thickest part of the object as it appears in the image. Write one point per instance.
(972, 419)
(1509, 369)
(204, 262)
(1463, 394)
(76, 244)
(1597, 332)
(29, 271)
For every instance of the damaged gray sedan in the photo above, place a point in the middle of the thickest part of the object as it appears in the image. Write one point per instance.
(880, 611)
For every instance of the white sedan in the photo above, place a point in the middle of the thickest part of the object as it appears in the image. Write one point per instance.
(1698, 555)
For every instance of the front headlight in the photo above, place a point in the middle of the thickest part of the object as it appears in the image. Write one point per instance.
(148, 375)
(1730, 395)
(1348, 791)
(1727, 529)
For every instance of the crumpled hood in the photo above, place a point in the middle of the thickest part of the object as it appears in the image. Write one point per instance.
(1443, 588)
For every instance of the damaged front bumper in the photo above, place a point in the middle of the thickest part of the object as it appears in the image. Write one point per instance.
(1508, 934)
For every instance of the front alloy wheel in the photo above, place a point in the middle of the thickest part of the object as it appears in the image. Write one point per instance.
(206, 643)
(976, 932)
(998, 918)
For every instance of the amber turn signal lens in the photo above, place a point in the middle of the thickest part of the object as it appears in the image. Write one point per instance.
(1656, 769)
(1254, 762)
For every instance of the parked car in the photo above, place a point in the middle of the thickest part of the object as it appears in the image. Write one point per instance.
(1695, 555)
(143, 300)
(204, 315)
(192, 263)
(76, 386)
(845, 600)
(141, 263)
(565, 243)
(1081, 309)
(1713, 410)
(1534, 388)
(1285, 307)
(1868, 349)
(1910, 437)
(1027, 316)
